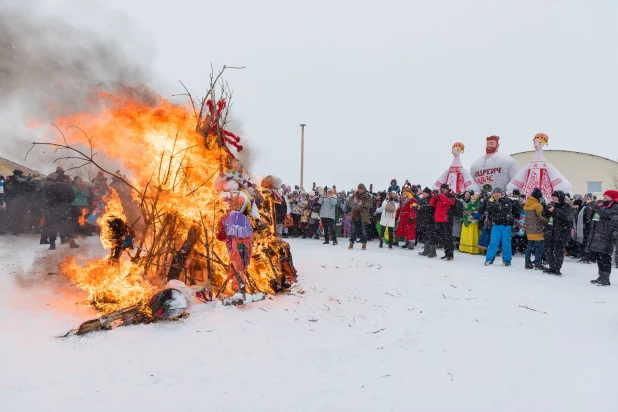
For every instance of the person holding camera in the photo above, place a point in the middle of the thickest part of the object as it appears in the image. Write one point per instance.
(443, 222)
(559, 215)
(501, 212)
(603, 235)
(359, 205)
(387, 220)
(328, 202)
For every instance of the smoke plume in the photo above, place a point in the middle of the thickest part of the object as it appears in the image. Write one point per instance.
(50, 67)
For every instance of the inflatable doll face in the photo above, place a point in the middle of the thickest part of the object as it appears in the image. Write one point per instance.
(235, 164)
(538, 144)
(492, 146)
(456, 151)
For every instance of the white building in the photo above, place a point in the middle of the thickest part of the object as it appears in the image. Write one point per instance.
(586, 172)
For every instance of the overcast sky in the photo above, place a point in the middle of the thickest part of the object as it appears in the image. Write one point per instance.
(385, 87)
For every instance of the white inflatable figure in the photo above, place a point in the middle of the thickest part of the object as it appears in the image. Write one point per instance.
(495, 169)
(456, 176)
(539, 173)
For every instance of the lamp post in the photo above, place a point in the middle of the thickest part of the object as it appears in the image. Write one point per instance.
(302, 155)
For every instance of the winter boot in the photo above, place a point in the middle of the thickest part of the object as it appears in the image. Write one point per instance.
(73, 245)
(390, 247)
(604, 281)
(411, 246)
(432, 251)
(52, 245)
(364, 246)
(326, 243)
(549, 271)
(529, 266)
(406, 245)
(597, 279)
(381, 244)
(425, 251)
(351, 246)
(44, 241)
(540, 267)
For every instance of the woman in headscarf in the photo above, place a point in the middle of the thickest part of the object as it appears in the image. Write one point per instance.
(603, 234)
(406, 228)
(387, 220)
(470, 232)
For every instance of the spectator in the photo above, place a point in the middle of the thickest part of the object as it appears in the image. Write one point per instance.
(388, 210)
(500, 210)
(425, 224)
(559, 223)
(360, 204)
(533, 210)
(469, 242)
(443, 224)
(394, 187)
(603, 234)
(328, 207)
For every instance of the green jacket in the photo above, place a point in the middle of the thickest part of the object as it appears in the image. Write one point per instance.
(361, 209)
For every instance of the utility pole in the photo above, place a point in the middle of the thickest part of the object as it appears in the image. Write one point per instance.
(302, 155)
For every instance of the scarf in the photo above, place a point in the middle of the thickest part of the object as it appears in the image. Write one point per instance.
(579, 227)
(389, 209)
(472, 206)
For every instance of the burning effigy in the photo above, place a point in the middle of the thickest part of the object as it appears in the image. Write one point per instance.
(196, 218)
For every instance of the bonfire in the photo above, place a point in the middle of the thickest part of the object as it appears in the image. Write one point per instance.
(160, 225)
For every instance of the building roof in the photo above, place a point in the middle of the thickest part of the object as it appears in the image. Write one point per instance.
(567, 151)
(14, 165)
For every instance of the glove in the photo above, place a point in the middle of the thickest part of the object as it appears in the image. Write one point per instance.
(410, 220)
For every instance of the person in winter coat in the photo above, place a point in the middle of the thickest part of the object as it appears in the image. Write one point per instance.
(296, 214)
(501, 211)
(406, 228)
(559, 216)
(2, 208)
(58, 197)
(603, 235)
(17, 189)
(388, 209)
(443, 223)
(394, 187)
(328, 208)
(535, 221)
(359, 204)
(424, 221)
(583, 223)
(281, 209)
(469, 241)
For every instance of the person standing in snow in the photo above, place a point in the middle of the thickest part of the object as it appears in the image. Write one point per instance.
(387, 220)
(559, 216)
(583, 223)
(535, 221)
(58, 197)
(360, 204)
(17, 189)
(328, 204)
(501, 211)
(406, 228)
(424, 222)
(443, 223)
(603, 235)
(469, 241)
(2, 207)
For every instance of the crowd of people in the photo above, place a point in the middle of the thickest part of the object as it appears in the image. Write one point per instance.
(491, 223)
(56, 206)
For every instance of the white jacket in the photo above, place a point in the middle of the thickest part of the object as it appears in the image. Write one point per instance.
(388, 219)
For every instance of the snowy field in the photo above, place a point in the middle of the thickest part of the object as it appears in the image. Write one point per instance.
(378, 330)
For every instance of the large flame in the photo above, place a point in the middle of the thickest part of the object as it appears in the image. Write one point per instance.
(172, 168)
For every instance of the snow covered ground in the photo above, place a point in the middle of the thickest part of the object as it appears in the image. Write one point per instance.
(377, 330)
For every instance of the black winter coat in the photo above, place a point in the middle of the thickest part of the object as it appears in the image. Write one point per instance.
(281, 209)
(603, 232)
(559, 222)
(58, 195)
(424, 215)
(501, 212)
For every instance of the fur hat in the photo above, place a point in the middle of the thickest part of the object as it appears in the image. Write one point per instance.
(18, 172)
(497, 190)
(427, 190)
(444, 186)
(361, 186)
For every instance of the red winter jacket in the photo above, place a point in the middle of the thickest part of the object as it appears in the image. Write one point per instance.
(442, 204)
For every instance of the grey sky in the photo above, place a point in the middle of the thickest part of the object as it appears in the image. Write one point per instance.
(385, 87)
